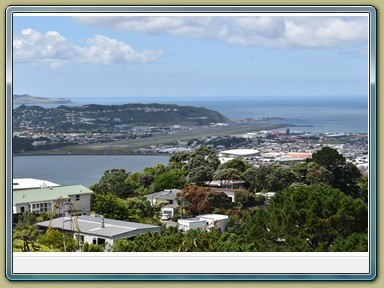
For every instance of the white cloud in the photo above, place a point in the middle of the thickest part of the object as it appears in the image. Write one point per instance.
(268, 31)
(53, 49)
(105, 50)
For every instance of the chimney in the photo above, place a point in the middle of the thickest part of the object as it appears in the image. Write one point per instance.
(102, 221)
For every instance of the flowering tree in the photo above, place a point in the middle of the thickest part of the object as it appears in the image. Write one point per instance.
(200, 200)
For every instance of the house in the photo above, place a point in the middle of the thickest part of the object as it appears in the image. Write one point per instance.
(98, 230)
(31, 183)
(207, 221)
(229, 184)
(229, 192)
(268, 195)
(166, 196)
(53, 200)
(168, 211)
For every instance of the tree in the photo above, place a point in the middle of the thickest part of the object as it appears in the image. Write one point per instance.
(317, 174)
(202, 164)
(345, 175)
(226, 174)
(313, 218)
(54, 240)
(239, 164)
(173, 179)
(281, 177)
(132, 209)
(178, 159)
(329, 158)
(145, 180)
(114, 182)
(201, 200)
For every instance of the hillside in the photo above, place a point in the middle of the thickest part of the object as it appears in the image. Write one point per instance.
(33, 100)
(105, 117)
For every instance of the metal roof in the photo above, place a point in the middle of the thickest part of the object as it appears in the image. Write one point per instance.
(47, 194)
(166, 194)
(93, 226)
(31, 183)
(240, 152)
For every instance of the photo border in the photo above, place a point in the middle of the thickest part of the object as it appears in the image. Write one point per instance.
(181, 9)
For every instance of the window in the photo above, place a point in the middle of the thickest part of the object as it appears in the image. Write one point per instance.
(77, 197)
(41, 207)
(98, 241)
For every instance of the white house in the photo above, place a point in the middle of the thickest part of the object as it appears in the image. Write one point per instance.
(31, 183)
(166, 196)
(98, 230)
(207, 221)
(168, 211)
(44, 200)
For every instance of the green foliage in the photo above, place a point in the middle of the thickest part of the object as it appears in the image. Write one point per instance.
(312, 218)
(281, 177)
(242, 196)
(317, 174)
(329, 158)
(169, 240)
(227, 174)
(145, 179)
(55, 240)
(202, 164)
(132, 209)
(178, 159)
(26, 220)
(238, 164)
(115, 182)
(345, 175)
(92, 248)
(173, 179)
(273, 177)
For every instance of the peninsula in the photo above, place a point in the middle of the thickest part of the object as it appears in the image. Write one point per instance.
(33, 100)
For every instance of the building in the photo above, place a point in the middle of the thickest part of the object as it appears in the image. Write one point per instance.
(166, 196)
(227, 184)
(168, 211)
(98, 230)
(239, 153)
(30, 183)
(46, 200)
(207, 221)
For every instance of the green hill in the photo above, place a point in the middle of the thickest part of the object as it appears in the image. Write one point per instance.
(91, 117)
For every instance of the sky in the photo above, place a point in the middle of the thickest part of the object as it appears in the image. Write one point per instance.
(144, 56)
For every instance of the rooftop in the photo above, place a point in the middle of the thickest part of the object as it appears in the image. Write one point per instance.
(31, 183)
(166, 194)
(240, 152)
(46, 194)
(93, 225)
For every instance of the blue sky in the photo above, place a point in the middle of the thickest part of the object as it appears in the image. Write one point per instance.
(210, 57)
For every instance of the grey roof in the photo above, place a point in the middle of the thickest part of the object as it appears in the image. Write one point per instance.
(166, 194)
(47, 194)
(92, 226)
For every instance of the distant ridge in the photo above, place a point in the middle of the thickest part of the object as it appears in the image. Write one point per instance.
(94, 117)
(32, 100)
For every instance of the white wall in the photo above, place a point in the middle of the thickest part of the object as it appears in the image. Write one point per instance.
(83, 204)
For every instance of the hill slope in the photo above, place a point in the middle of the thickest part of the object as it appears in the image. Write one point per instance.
(91, 117)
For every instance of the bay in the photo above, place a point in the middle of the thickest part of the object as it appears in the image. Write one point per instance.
(80, 169)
